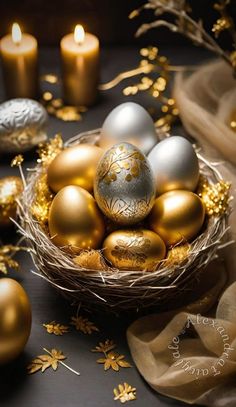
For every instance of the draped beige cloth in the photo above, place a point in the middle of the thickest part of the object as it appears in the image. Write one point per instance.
(189, 367)
(199, 364)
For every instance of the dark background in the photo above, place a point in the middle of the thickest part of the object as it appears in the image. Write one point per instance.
(108, 19)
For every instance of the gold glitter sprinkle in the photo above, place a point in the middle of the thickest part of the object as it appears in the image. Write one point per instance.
(48, 151)
(215, 197)
(125, 392)
(42, 200)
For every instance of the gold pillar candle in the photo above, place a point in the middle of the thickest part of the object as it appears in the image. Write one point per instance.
(80, 67)
(19, 54)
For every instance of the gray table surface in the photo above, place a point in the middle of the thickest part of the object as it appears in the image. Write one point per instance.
(94, 388)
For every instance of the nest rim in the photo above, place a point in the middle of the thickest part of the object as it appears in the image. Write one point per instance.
(112, 288)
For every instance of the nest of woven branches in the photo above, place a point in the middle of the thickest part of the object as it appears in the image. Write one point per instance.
(90, 280)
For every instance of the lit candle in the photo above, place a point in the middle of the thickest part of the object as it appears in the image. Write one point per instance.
(20, 64)
(80, 67)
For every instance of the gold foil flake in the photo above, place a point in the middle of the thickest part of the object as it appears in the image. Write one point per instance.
(48, 151)
(68, 113)
(111, 359)
(177, 255)
(114, 361)
(17, 161)
(105, 347)
(125, 392)
(50, 78)
(42, 199)
(84, 325)
(6, 261)
(56, 328)
(222, 24)
(91, 260)
(52, 359)
(215, 197)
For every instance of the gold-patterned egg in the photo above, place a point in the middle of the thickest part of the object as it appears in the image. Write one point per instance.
(75, 221)
(74, 166)
(10, 190)
(15, 319)
(124, 186)
(177, 216)
(139, 249)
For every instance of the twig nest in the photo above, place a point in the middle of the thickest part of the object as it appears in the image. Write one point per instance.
(22, 125)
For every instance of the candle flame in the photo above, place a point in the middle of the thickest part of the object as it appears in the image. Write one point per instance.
(79, 34)
(16, 34)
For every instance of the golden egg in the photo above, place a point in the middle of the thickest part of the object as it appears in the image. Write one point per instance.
(139, 249)
(177, 216)
(75, 220)
(74, 166)
(10, 190)
(15, 319)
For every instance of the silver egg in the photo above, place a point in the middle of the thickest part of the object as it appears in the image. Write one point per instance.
(22, 125)
(175, 165)
(129, 122)
(124, 186)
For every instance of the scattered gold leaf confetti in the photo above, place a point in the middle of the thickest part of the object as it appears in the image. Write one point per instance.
(50, 78)
(43, 362)
(105, 347)
(17, 161)
(84, 325)
(68, 113)
(47, 96)
(125, 392)
(51, 359)
(215, 197)
(111, 359)
(6, 261)
(55, 328)
(57, 103)
(114, 360)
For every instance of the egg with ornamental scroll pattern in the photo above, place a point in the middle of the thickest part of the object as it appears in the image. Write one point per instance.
(74, 166)
(134, 249)
(15, 319)
(75, 221)
(124, 185)
(177, 216)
